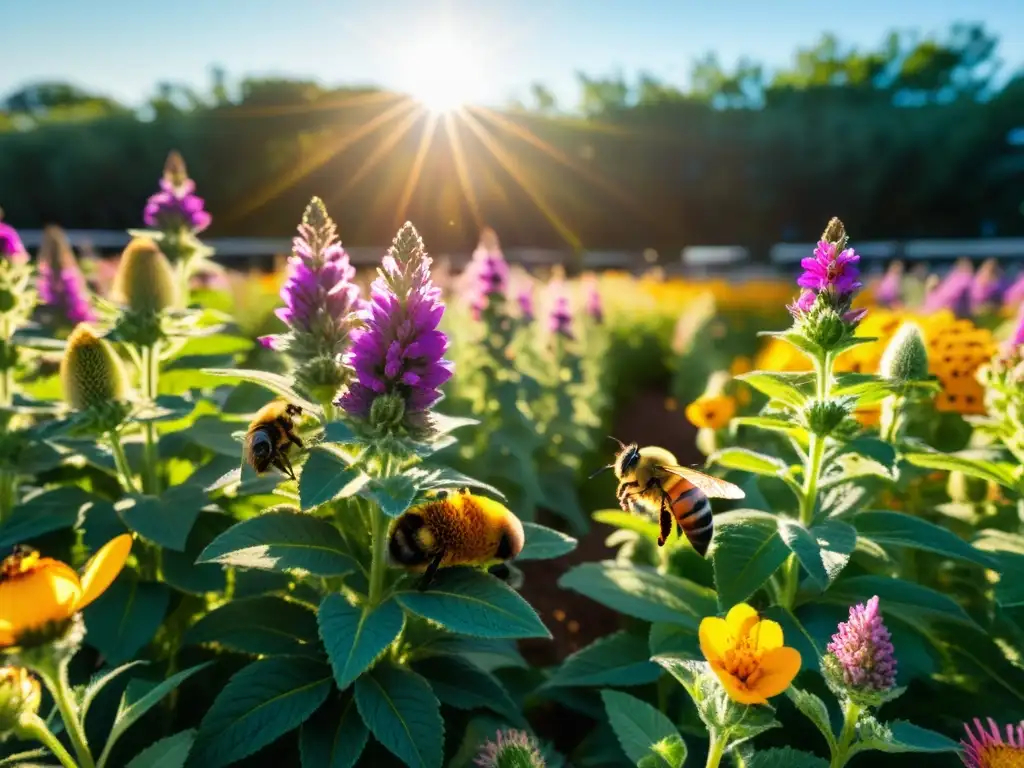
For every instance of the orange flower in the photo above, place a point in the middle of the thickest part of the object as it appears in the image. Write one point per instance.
(35, 591)
(747, 655)
(712, 411)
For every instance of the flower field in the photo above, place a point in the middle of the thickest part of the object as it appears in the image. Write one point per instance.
(324, 519)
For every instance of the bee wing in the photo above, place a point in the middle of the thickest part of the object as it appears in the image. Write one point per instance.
(713, 487)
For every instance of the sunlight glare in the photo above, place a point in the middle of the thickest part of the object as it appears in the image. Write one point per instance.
(444, 72)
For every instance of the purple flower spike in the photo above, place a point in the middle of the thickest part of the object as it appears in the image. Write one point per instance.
(1014, 294)
(953, 292)
(594, 305)
(61, 285)
(321, 304)
(831, 270)
(488, 274)
(11, 247)
(176, 206)
(525, 301)
(889, 292)
(863, 650)
(986, 288)
(398, 356)
(560, 319)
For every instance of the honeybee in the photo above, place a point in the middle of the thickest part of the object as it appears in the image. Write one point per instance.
(652, 482)
(454, 529)
(270, 435)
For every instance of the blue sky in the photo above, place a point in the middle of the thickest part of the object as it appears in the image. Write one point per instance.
(123, 47)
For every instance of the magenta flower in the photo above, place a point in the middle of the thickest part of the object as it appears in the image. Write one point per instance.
(802, 304)
(176, 206)
(594, 306)
(560, 319)
(525, 301)
(320, 303)
(1014, 294)
(889, 292)
(488, 273)
(830, 269)
(985, 748)
(11, 247)
(399, 353)
(953, 292)
(863, 651)
(1017, 339)
(986, 288)
(61, 284)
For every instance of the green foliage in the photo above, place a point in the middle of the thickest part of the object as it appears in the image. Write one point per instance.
(639, 727)
(402, 713)
(356, 637)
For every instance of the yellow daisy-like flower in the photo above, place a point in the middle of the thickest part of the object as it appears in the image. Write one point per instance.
(35, 591)
(711, 411)
(747, 654)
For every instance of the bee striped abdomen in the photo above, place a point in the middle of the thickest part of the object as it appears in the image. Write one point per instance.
(691, 509)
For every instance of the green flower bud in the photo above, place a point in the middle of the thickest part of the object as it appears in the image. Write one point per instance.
(91, 373)
(823, 418)
(511, 749)
(145, 281)
(387, 412)
(835, 232)
(824, 325)
(20, 695)
(322, 376)
(905, 359)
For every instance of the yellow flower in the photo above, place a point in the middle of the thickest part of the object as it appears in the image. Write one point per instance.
(740, 365)
(713, 411)
(747, 655)
(35, 591)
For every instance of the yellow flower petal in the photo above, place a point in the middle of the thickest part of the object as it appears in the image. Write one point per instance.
(740, 618)
(102, 569)
(766, 635)
(715, 638)
(778, 666)
(735, 688)
(48, 592)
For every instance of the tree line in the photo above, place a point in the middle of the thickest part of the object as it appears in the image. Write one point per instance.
(917, 137)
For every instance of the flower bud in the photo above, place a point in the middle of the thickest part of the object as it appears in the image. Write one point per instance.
(822, 418)
(91, 373)
(511, 749)
(145, 280)
(905, 358)
(386, 412)
(20, 695)
(824, 324)
(835, 232)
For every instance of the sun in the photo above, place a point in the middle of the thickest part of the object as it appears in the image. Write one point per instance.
(444, 72)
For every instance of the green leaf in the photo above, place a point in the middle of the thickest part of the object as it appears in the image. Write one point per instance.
(325, 478)
(544, 543)
(815, 711)
(129, 713)
(642, 592)
(785, 757)
(775, 424)
(462, 685)
(282, 540)
(866, 388)
(334, 737)
(260, 703)
(629, 522)
(275, 382)
(45, 512)
(339, 432)
(748, 461)
(393, 495)
(853, 466)
(1010, 588)
(619, 659)
(900, 736)
(746, 550)
(474, 603)
(671, 750)
(796, 636)
(673, 640)
(900, 530)
(403, 714)
(264, 625)
(786, 388)
(823, 551)
(637, 724)
(1000, 472)
(180, 569)
(440, 478)
(126, 617)
(905, 600)
(166, 520)
(355, 637)
(171, 752)
(443, 424)
(96, 685)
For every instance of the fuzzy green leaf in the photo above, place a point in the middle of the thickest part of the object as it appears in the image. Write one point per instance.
(900, 530)
(823, 551)
(355, 637)
(1000, 472)
(45, 512)
(126, 617)
(544, 543)
(393, 495)
(474, 603)
(171, 752)
(166, 520)
(260, 703)
(786, 388)
(275, 382)
(815, 711)
(334, 737)
(619, 659)
(746, 550)
(748, 461)
(637, 725)
(785, 757)
(325, 478)
(900, 736)
(403, 714)
(263, 625)
(904, 599)
(629, 522)
(462, 685)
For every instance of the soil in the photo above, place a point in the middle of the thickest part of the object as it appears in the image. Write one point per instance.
(576, 621)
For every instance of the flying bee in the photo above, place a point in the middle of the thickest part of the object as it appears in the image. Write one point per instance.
(455, 529)
(651, 481)
(270, 435)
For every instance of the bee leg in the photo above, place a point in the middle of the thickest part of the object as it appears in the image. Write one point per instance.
(281, 462)
(428, 575)
(295, 440)
(666, 525)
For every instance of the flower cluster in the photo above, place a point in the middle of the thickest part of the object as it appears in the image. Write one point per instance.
(488, 273)
(953, 292)
(61, 285)
(176, 207)
(11, 247)
(321, 305)
(861, 659)
(398, 356)
(889, 291)
(560, 313)
(524, 298)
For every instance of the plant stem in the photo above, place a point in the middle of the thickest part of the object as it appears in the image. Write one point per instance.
(378, 562)
(850, 717)
(715, 750)
(121, 460)
(54, 675)
(7, 375)
(33, 727)
(150, 378)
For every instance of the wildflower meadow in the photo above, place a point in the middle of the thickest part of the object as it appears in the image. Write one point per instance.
(323, 519)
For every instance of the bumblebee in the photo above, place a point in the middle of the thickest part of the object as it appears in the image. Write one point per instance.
(270, 435)
(455, 529)
(652, 482)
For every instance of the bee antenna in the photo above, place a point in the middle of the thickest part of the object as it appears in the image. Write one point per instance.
(602, 469)
(621, 444)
